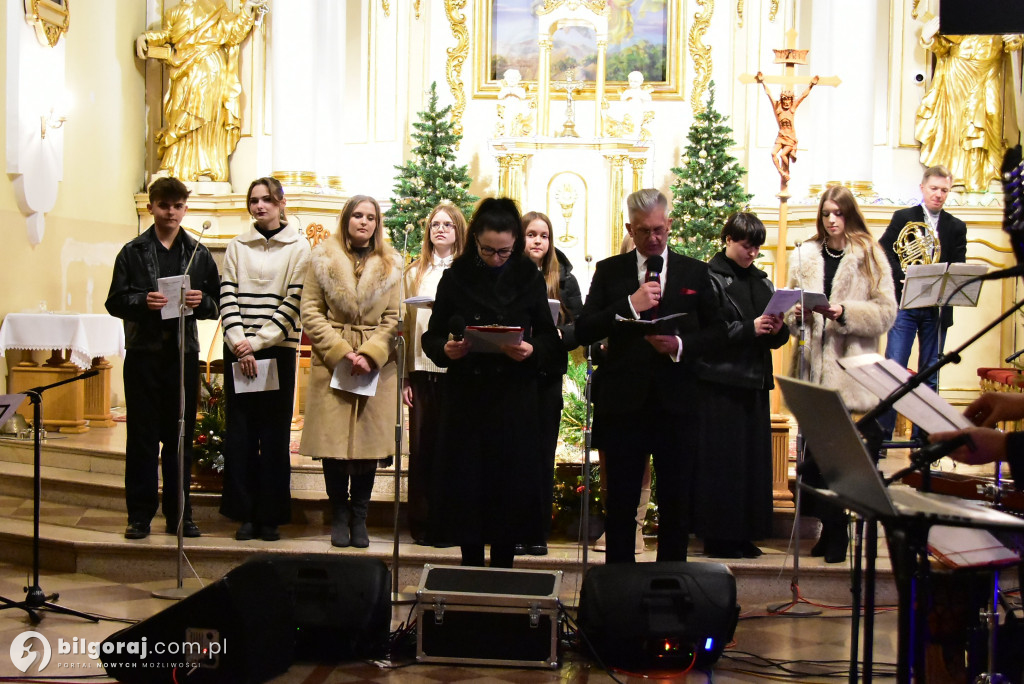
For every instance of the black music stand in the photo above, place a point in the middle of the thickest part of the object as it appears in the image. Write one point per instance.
(35, 598)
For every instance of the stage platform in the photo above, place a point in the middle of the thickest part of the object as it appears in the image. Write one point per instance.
(83, 521)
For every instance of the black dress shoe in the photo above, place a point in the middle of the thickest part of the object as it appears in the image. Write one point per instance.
(520, 549)
(246, 532)
(136, 530)
(269, 533)
(722, 548)
(537, 549)
(835, 550)
(188, 529)
(818, 550)
(750, 550)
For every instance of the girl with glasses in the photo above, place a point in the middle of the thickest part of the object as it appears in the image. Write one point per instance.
(488, 478)
(443, 241)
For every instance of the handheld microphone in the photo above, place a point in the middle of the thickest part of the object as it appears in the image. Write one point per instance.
(457, 328)
(654, 266)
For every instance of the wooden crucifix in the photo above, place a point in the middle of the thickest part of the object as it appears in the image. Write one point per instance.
(785, 107)
(784, 150)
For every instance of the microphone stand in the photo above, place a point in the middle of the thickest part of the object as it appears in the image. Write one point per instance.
(585, 499)
(798, 606)
(400, 345)
(35, 598)
(179, 592)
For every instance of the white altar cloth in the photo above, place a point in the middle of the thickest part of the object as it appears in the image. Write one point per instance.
(86, 335)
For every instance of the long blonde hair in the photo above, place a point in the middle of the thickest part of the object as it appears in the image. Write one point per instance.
(855, 229)
(549, 267)
(378, 246)
(426, 257)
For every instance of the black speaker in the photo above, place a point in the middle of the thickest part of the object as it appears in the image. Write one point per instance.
(658, 615)
(238, 629)
(250, 625)
(965, 17)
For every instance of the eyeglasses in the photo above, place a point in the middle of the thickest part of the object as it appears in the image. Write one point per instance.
(647, 232)
(442, 227)
(504, 252)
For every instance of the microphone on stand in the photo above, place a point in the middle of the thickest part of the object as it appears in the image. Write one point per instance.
(1012, 357)
(206, 227)
(1011, 272)
(457, 328)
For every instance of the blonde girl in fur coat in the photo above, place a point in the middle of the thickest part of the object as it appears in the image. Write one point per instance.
(349, 311)
(845, 263)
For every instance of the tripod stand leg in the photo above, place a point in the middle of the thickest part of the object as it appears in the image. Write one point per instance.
(32, 615)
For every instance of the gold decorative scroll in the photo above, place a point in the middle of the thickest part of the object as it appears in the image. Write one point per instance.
(700, 53)
(595, 6)
(387, 7)
(416, 8)
(773, 10)
(456, 58)
(50, 19)
(739, 13)
(915, 9)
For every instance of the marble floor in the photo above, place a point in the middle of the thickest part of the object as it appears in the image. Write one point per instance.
(764, 646)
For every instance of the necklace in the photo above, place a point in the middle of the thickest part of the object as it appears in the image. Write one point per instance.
(832, 254)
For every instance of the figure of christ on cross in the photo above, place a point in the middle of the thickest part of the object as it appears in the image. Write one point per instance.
(784, 151)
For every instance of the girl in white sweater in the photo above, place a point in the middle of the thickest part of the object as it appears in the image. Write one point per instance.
(261, 286)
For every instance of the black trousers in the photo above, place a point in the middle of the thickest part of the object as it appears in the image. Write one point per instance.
(257, 456)
(424, 423)
(629, 439)
(151, 393)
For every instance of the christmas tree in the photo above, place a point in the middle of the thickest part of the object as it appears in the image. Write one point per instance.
(707, 186)
(428, 178)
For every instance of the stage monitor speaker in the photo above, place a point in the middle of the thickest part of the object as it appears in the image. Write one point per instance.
(965, 17)
(238, 629)
(250, 625)
(658, 615)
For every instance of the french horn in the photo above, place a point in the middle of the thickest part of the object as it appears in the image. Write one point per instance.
(917, 244)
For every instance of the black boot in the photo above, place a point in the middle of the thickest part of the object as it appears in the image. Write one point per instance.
(340, 535)
(362, 489)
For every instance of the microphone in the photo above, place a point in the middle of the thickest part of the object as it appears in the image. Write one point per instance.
(1011, 272)
(1014, 355)
(457, 328)
(206, 227)
(654, 266)
(798, 243)
(934, 452)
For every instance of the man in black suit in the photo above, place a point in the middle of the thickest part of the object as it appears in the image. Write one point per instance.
(927, 324)
(646, 403)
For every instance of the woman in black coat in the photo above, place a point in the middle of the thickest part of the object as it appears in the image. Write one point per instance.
(488, 478)
(733, 492)
(561, 285)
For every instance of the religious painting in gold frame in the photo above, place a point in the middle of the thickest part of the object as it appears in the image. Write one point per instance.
(51, 19)
(644, 35)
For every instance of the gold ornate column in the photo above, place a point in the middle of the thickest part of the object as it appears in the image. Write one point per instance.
(638, 164)
(616, 192)
(504, 175)
(602, 49)
(544, 85)
(517, 177)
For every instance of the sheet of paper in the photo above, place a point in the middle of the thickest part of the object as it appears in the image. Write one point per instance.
(960, 547)
(786, 298)
(420, 302)
(923, 285)
(666, 325)
(266, 377)
(555, 306)
(957, 275)
(170, 287)
(488, 339)
(364, 385)
(923, 407)
(9, 404)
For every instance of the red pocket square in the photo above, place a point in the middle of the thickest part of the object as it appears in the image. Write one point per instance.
(687, 291)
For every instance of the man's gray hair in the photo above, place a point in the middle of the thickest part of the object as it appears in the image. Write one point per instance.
(646, 201)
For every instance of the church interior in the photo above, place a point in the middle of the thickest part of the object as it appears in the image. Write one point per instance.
(566, 106)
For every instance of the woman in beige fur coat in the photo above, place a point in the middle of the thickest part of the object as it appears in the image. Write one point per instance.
(349, 311)
(851, 269)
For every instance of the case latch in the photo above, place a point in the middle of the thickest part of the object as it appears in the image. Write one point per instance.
(438, 611)
(534, 616)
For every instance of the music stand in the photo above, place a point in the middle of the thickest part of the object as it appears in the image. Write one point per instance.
(905, 515)
(35, 598)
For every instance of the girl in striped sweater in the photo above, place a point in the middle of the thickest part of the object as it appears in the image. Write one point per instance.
(261, 286)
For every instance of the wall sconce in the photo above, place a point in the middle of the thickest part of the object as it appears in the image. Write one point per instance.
(53, 120)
